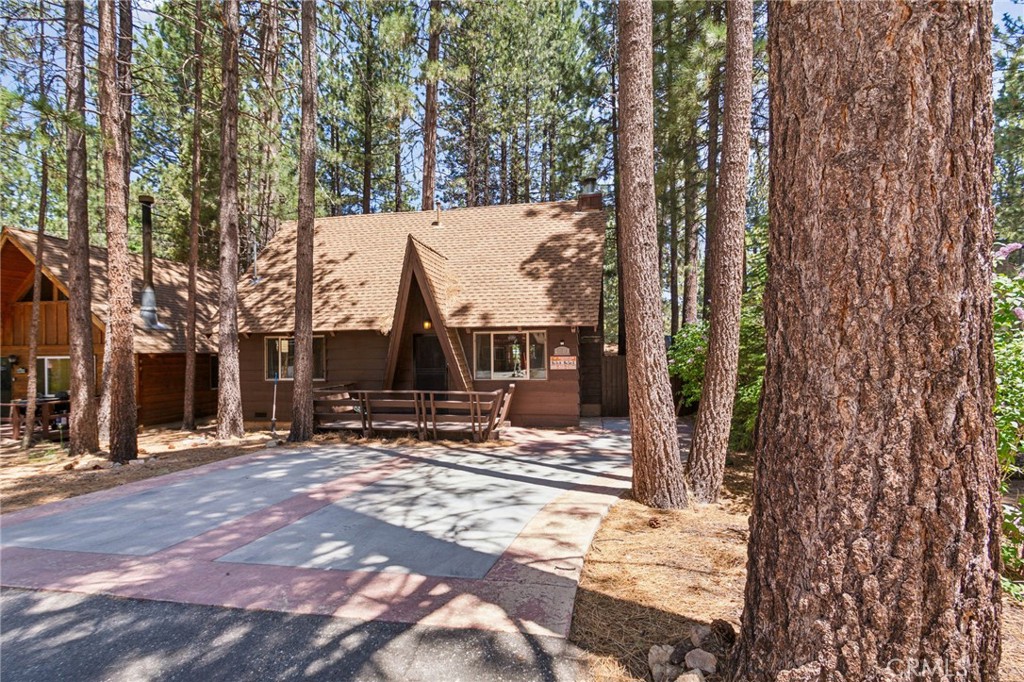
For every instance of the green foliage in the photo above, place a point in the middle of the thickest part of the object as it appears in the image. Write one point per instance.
(1008, 342)
(1008, 189)
(686, 358)
(1012, 550)
(688, 354)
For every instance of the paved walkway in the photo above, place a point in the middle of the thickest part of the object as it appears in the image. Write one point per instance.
(397, 544)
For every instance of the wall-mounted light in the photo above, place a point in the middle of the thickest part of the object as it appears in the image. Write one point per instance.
(427, 324)
(13, 359)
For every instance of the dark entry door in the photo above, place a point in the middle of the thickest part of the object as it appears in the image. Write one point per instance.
(5, 385)
(429, 363)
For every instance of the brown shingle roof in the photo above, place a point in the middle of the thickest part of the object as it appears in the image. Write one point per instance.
(510, 265)
(170, 281)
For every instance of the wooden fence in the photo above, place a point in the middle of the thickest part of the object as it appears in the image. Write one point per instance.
(426, 413)
(614, 386)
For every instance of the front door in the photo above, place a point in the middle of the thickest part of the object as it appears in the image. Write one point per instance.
(429, 363)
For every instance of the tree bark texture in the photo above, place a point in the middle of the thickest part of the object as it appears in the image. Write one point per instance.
(673, 252)
(691, 253)
(83, 427)
(368, 116)
(302, 400)
(706, 464)
(657, 468)
(37, 285)
(617, 172)
(430, 109)
(270, 67)
(188, 421)
(711, 182)
(120, 339)
(874, 545)
(124, 86)
(229, 395)
(37, 269)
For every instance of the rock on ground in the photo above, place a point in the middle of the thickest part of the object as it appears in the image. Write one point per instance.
(702, 660)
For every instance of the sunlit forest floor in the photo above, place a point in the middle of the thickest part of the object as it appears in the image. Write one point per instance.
(650, 575)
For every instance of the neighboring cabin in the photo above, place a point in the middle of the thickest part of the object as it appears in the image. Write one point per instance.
(160, 353)
(464, 299)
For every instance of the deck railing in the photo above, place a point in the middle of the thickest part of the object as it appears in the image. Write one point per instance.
(427, 413)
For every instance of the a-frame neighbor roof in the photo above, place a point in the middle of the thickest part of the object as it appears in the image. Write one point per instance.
(506, 266)
(170, 282)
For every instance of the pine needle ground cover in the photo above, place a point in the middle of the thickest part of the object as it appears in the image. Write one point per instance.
(651, 575)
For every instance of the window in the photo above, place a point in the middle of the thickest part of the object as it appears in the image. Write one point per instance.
(510, 355)
(53, 375)
(280, 359)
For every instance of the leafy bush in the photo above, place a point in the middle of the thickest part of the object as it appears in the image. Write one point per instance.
(688, 354)
(686, 359)
(1008, 345)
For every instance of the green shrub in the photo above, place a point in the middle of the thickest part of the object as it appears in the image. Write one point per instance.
(1008, 346)
(688, 354)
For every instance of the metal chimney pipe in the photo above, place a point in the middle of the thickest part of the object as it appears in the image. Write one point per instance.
(148, 308)
(147, 240)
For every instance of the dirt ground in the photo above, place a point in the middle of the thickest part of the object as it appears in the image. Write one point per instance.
(651, 575)
(40, 475)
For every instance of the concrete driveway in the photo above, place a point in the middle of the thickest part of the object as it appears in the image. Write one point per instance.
(403, 540)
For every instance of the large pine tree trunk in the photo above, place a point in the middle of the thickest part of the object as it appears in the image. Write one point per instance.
(37, 270)
(711, 181)
(124, 86)
(874, 541)
(657, 468)
(617, 173)
(83, 431)
(229, 394)
(368, 114)
(188, 421)
(37, 285)
(302, 396)
(673, 252)
(120, 340)
(706, 465)
(691, 236)
(430, 109)
(270, 58)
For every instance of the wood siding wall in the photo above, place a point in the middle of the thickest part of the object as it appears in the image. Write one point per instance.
(554, 401)
(53, 324)
(160, 386)
(359, 357)
(356, 357)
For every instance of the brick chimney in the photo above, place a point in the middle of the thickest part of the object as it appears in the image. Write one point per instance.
(590, 198)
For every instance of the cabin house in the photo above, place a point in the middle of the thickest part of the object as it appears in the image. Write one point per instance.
(159, 330)
(457, 300)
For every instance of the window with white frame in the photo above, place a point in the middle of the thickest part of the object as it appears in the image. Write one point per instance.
(53, 375)
(510, 355)
(280, 358)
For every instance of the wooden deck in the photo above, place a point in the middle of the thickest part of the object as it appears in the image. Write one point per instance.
(428, 414)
